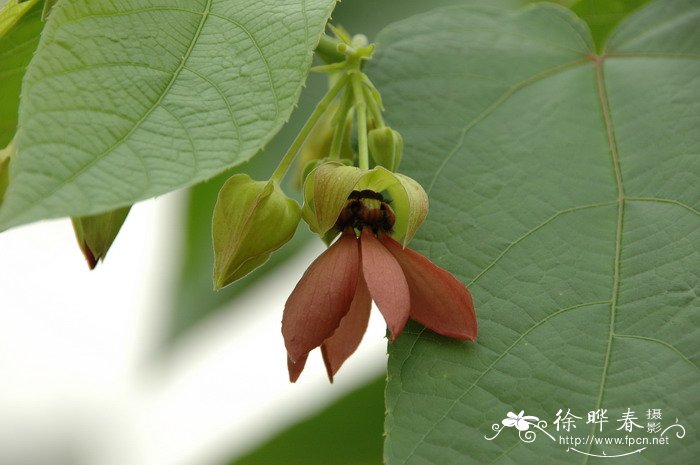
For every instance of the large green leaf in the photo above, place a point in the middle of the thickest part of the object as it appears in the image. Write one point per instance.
(16, 49)
(130, 99)
(564, 191)
(348, 432)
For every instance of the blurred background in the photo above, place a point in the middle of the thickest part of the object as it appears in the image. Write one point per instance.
(139, 362)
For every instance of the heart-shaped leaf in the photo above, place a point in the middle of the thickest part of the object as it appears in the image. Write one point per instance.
(564, 191)
(126, 100)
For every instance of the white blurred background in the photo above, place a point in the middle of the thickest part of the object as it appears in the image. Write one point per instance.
(80, 381)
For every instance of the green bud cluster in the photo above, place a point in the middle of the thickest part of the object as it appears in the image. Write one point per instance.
(252, 218)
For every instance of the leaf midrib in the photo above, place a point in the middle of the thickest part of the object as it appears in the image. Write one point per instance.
(598, 62)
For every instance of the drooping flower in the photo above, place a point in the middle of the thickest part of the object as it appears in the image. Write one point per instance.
(329, 308)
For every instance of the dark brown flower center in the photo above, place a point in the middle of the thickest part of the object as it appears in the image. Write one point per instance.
(366, 209)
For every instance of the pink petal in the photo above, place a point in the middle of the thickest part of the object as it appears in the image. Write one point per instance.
(439, 301)
(341, 345)
(295, 369)
(321, 298)
(386, 282)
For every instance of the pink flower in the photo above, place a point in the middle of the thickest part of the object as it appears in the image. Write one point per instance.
(329, 308)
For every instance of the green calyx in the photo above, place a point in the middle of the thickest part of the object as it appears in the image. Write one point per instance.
(96, 233)
(327, 188)
(251, 220)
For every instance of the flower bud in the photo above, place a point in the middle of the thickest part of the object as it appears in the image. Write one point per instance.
(251, 220)
(386, 147)
(96, 233)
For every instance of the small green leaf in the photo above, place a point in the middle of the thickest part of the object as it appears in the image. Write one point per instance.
(96, 233)
(564, 192)
(124, 101)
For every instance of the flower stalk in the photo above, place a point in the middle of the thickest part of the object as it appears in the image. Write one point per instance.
(321, 107)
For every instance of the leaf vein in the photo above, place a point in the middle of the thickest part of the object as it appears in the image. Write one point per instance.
(266, 64)
(617, 172)
(663, 343)
(493, 364)
(684, 15)
(496, 104)
(664, 201)
(223, 97)
(187, 133)
(532, 231)
(116, 14)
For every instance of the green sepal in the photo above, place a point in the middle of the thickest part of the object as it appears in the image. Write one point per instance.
(327, 188)
(96, 233)
(251, 220)
(326, 191)
(408, 200)
(386, 147)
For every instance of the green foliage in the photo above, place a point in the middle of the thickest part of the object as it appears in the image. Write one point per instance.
(563, 190)
(17, 46)
(126, 100)
(349, 432)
